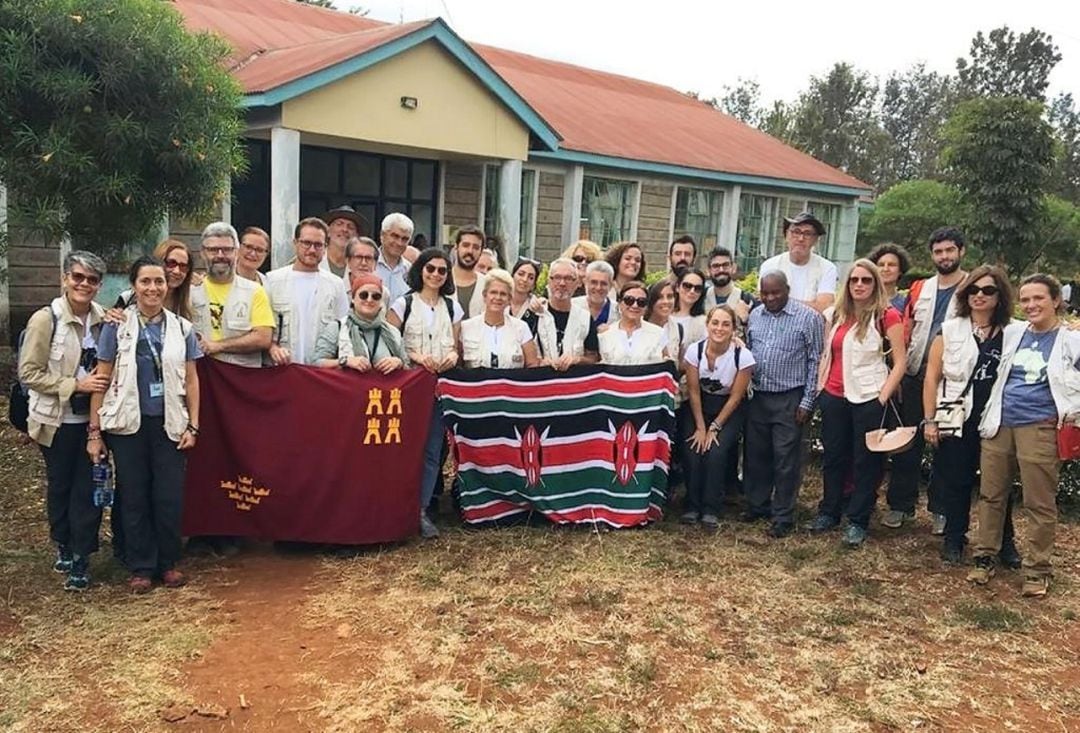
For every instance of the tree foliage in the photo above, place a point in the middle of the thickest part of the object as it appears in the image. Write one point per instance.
(1065, 119)
(1004, 64)
(907, 213)
(743, 102)
(914, 105)
(999, 154)
(113, 115)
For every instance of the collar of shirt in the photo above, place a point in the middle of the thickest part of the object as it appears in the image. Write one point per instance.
(401, 266)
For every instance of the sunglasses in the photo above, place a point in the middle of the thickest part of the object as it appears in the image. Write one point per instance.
(691, 286)
(171, 264)
(79, 278)
(435, 269)
(630, 301)
(861, 280)
(987, 290)
(369, 295)
(580, 259)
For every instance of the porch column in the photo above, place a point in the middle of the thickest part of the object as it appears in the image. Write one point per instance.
(571, 229)
(729, 221)
(284, 193)
(510, 209)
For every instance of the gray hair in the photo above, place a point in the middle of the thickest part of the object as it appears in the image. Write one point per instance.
(220, 229)
(353, 241)
(563, 261)
(600, 266)
(89, 260)
(399, 220)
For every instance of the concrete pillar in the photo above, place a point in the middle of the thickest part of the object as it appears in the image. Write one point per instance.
(226, 202)
(729, 219)
(848, 231)
(510, 209)
(572, 186)
(284, 193)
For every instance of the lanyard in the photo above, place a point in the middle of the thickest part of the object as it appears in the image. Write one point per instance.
(155, 353)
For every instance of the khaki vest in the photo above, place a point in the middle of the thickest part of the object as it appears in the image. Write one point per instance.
(573, 342)
(477, 348)
(958, 359)
(437, 341)
(285, 314)
(923, 316)
(645, 346)
(120, 411)
(235, 318)
(864, 365)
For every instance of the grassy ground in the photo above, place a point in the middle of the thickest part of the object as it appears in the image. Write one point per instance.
(531, 629)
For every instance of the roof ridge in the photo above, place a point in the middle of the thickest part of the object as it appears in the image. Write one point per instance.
(339, 36)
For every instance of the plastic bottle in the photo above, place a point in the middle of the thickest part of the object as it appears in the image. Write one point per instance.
(103, 483)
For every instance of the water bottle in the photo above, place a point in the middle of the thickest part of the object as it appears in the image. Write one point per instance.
(103, 483)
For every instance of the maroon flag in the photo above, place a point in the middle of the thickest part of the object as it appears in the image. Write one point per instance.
(307, 454)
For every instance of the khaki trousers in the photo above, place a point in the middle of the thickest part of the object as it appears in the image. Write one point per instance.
(1034, 448)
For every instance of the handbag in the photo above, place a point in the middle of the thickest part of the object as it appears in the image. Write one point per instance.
(1068, 441)
(949, 414)
(897, 440)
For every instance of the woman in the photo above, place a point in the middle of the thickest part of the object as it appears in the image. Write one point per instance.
(857, 384)
(628, 262)
(690, 303)
(961, 369)
(178, 274)
(1037, 389)
(254, 248)
(523, 303)
(630, 339)
(659, 311)
(582, 253)
(362, 340)
(487, 261)
(150, 412)
(57, 364)
(718, 377)
(493, 339)
(429, 319)
(893, 262)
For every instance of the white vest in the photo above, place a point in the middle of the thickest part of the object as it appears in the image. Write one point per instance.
(285, 314)
(477, 347)
(573, 342)
(959, 356)
(120, 411)
(1063, 377)
(646, 345)
(612, 313)
(864, 365)
(437, 341)
(813, 274)
(476, 302)
(923, 316)
(235, 317)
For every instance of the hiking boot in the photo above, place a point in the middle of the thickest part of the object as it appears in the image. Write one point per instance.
(937, 524)
(1035, 586)
(688, 518)
(428, 530)
(824, 523)
(952, 554)
(894, 518)
(173, 579)
(779, 530)
(140, 585)
(63, 559)
(710, 522)
(854, 536)
(982, 572)
(78, 578)
(1009, 556)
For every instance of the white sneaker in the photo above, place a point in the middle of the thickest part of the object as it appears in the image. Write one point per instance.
(937, 524)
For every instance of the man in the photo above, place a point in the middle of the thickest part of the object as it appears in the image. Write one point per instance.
(812, 278)
(929, 303)
(786, 338)
(468, 283)
(343, 224)
(254, 248)
(681, 254)
(565, 333)
(598, 278)
(304, 297)
(724, 291)
(232, 317)
(394, 236)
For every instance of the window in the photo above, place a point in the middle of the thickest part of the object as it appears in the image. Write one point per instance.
(528, 207)
(757, 222)
(829, 214)
(697, 213)
(607, 208)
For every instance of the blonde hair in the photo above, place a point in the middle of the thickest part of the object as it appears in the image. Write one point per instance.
(497, 274)
(846, 307)
(592, 250)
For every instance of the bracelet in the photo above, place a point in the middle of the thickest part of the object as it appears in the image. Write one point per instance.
(192, 429)
(928, 421)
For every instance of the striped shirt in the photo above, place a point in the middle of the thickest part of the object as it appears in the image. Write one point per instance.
(787, 345)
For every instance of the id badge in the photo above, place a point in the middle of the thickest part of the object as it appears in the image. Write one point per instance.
(157, 389)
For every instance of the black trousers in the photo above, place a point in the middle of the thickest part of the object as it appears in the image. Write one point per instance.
(773, 454)
(69, 498)
(708, 474)
(956, 468)
(150, 472)
(843, 435)
(903, 491)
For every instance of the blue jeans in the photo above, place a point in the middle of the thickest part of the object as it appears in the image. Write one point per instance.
(432, 455)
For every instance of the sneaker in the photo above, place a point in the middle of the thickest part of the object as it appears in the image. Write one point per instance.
(894, 518)
(710, 521)
(937, 524)
(140, 585)
(952, 554)
(63, 559)
(1036, 586)
(982, 572)
(779, 530)
(428, 530)
(688, 518)
(1010, 557)
(173, 579)
(78, 578)
(854, 536)
(824, 523)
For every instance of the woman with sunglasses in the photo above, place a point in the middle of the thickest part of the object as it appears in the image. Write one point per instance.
(362, 340)
(631, 339)
(628, 261)
(960, 370)
(150, 412)
(1036, 391)
(690, 303)
(57, 363)
(523, 302)
(178, 277)
(429, 319)
(493, 339)
(582, 253)
(857, 384)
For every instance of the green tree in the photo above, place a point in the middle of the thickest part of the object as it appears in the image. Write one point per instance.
(1057, 240)
(743, 101)
(113, 115)
(1004, 64)
(914, 105)
(907, 213)
(1000, 154)
(779, 121)
(1065, 119)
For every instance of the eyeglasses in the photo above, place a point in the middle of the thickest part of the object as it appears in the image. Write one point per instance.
(435, 269)
(561, 278)
(171, 264)
(79, 278)
(363, 258)
(254, 249)
(861, 280)
(691, 286)
(630, 301)
(719, 265)
(580, 259)
(987, 290)
(369, 295)
(803, 233)
(311, 244)
(212, 251)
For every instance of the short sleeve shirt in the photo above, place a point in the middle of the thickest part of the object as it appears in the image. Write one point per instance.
(150, 337)
(1027, 398)
(428, 312)
(218, 293)
(834, 384)
(723, 370)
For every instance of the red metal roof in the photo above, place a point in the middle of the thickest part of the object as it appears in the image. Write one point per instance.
(595, 112)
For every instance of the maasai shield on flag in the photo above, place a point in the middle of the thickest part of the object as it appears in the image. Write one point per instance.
(588, 445)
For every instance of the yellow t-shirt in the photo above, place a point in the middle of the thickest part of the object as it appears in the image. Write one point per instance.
(218, 293)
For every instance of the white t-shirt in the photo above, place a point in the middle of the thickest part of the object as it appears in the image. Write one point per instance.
(799, 276)
(723, 369)
(302, 287)
(419, 306)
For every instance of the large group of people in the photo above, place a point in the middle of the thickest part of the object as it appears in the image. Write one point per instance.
(984, 390)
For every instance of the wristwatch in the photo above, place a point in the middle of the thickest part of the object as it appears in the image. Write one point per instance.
(343, 361)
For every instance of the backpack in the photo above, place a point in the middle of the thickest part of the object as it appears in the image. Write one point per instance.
(408, 309)
(909, 309)
(701, 352)
(19, 395)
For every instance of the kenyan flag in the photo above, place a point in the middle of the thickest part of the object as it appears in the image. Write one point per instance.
(588, 445)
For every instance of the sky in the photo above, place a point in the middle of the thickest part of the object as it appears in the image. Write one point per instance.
(703, 46)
